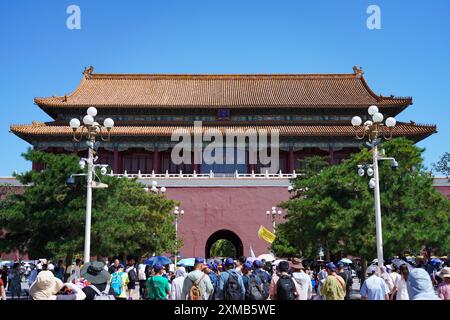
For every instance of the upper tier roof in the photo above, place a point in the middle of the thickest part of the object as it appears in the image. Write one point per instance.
(215, 91)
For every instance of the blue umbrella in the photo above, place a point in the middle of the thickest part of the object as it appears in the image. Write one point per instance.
(188, 262)
(436, 261)
(157, 260)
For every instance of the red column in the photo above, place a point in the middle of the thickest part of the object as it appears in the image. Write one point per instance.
(116, 160)
(196, 166)
(291, 160)
(252, 156)
(330, 155)
(156, 165)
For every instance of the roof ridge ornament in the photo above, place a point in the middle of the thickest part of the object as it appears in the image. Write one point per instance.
(358, 72)
(88, 72)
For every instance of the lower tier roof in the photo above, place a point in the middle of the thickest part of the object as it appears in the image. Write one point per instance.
(37, 131)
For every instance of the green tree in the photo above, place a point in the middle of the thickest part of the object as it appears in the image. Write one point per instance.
(223, 248)
(48, 218)
(335, 207)
(443, 165)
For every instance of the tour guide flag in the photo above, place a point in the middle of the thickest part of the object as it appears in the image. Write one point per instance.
(265, 234)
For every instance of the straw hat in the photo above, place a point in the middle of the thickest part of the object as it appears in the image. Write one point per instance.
(445, 273)
(45, 286)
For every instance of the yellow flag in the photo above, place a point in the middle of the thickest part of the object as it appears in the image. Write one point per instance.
(266, 235)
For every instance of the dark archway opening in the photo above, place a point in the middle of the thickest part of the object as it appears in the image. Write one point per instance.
(225, 235)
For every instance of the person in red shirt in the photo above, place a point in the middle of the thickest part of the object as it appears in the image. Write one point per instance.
(2, 291)
(5, 275)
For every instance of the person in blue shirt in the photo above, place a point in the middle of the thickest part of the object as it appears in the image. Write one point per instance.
(223, 279)
(265, 277)
(374, 288)
(211, 269)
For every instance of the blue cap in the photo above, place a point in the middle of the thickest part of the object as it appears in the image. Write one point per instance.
(181, 265)
(331, 266)
(339, 264)
(157, 267)
(120, 266)
(229, 262)
(213, 266)
(199, 260)
(247, 266)
(257, 264)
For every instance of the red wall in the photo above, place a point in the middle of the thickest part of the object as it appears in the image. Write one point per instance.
(238, 209)
(445, 190)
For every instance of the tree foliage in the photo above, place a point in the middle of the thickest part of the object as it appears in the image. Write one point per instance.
(443, 165)
(48, 219)
(223, 248)
(335, 207)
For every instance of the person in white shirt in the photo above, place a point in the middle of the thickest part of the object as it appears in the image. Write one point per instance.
(142, 277)
(387, 279)
(177, 284)
(304, 280)
(395, 277)
(401, 283)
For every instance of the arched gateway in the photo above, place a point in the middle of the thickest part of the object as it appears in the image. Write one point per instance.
(227, 235)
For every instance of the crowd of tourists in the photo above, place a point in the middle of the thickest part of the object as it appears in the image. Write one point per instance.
(220, 279)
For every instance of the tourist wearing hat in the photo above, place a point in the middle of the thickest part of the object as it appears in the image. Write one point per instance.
(375, 287)
(176, 288)
(419, 285)
(200, 278)
(263, 275)
(48, 287)
(229, 270)
(253, 285)
(444, 286)
(347, 276)
(334, 286)
(158, 287)
(95, 273)
(119, 282)
(212, 272)
(304, 280)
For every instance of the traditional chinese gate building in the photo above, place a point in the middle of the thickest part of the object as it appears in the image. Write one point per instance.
(312, 113)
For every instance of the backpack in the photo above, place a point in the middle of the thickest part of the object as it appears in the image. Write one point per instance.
(232, 289)
(285, 288)
(132, 274)
(196, 293)
(265, 283)
(104, 295)
(254, 291)
(116, 282)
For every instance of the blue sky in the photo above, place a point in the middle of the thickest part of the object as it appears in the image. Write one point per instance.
(40, 56)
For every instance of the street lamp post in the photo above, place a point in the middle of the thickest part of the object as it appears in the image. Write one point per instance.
(177, 212)
(273, 213)
(375, 130)
(90, 129)
(155, 189)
